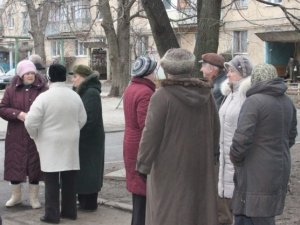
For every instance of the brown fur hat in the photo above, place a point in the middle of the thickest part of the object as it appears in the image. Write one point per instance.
(178, 61)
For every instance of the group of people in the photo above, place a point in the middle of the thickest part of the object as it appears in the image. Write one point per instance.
(54, 134)
(212, 151)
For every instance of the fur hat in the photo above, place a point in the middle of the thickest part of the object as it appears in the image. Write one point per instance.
(263, 72)
(242, 64)
(37, 61)
(25, 66)
(143, 66)
(82, 70)
(57, 73)
(178, 61)
(213, 59)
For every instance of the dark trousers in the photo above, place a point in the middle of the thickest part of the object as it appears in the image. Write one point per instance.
(138, 209)
(0, 221)
(88, 201)
(225, 215)
(53, 181)
(245, 220)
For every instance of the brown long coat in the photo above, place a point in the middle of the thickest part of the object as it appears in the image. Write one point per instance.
(177, 149)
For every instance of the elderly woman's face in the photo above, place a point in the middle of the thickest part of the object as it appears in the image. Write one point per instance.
(77, 80)
(233, 75)
(28, 78)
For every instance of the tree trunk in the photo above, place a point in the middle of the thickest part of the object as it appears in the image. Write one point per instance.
(119, 56)
(207, 39)
(38, 24)
(162, 31)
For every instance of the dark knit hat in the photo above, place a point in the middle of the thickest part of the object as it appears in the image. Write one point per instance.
(263, 72)
(57, 73)
(213, 59)
(143, 66)
(242, 64)
(178, 61)
(82, 70)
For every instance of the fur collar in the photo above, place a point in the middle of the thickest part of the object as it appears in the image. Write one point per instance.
(242, 87)
(90, 81)
(186, 82)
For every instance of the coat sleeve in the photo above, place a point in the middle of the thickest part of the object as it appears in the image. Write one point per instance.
(152, 133)
(92, 104)
(7, 112)
(34, 118)
(293, 131)
(244, 133)
(216, 129)
(142, 107)
(82, 115)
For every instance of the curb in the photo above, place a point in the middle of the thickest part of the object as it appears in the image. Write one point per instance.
(117, 205)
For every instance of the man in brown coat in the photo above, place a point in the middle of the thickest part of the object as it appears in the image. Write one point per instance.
(178, 145)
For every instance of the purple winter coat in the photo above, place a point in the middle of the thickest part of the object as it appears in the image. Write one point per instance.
(21, 156)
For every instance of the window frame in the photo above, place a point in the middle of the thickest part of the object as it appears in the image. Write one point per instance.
(55, 48)
(79, 49)
(240, 42)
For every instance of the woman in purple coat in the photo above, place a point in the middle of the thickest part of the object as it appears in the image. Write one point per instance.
(136, 99)
(21, 156)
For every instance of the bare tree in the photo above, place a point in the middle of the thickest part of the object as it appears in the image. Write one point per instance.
(38, 17)
(162, 30)
(118, 42)
(208, 24)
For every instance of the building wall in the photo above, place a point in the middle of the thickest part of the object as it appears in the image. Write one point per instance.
(256, 18)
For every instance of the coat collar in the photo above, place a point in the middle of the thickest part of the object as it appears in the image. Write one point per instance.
(242, 87)
(144, 81)
(186, 82)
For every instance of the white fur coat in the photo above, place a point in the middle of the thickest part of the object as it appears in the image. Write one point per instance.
(229, 113)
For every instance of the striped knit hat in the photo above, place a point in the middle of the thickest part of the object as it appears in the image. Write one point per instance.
(143, 66)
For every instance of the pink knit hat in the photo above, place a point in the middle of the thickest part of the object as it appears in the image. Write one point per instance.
(25, 66)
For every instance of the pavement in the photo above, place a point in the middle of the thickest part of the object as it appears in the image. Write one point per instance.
(109, 212)
(112, 212)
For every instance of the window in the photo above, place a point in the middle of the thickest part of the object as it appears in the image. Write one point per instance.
(79, 10)
(55, 48)
(80, 49)
(25, 21)
(99, 15)
(142, 45)
(241, 4)
(240, 41)
(10, 19)
(274, 1)
(167, 4)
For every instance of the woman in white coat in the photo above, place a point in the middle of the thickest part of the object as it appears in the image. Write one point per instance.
(54, 122)
(234, 88)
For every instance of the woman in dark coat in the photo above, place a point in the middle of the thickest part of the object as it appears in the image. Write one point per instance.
(91, 143)
(136, 100)
(21, 156)
(260, 150)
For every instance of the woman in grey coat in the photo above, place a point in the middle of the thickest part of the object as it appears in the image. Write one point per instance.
(260, 151)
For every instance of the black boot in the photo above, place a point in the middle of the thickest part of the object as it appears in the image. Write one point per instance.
(46, 220)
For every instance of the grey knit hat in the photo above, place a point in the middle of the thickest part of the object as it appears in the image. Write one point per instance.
(178, 61)
(242, 64)
(263, 72)
(143, 66)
